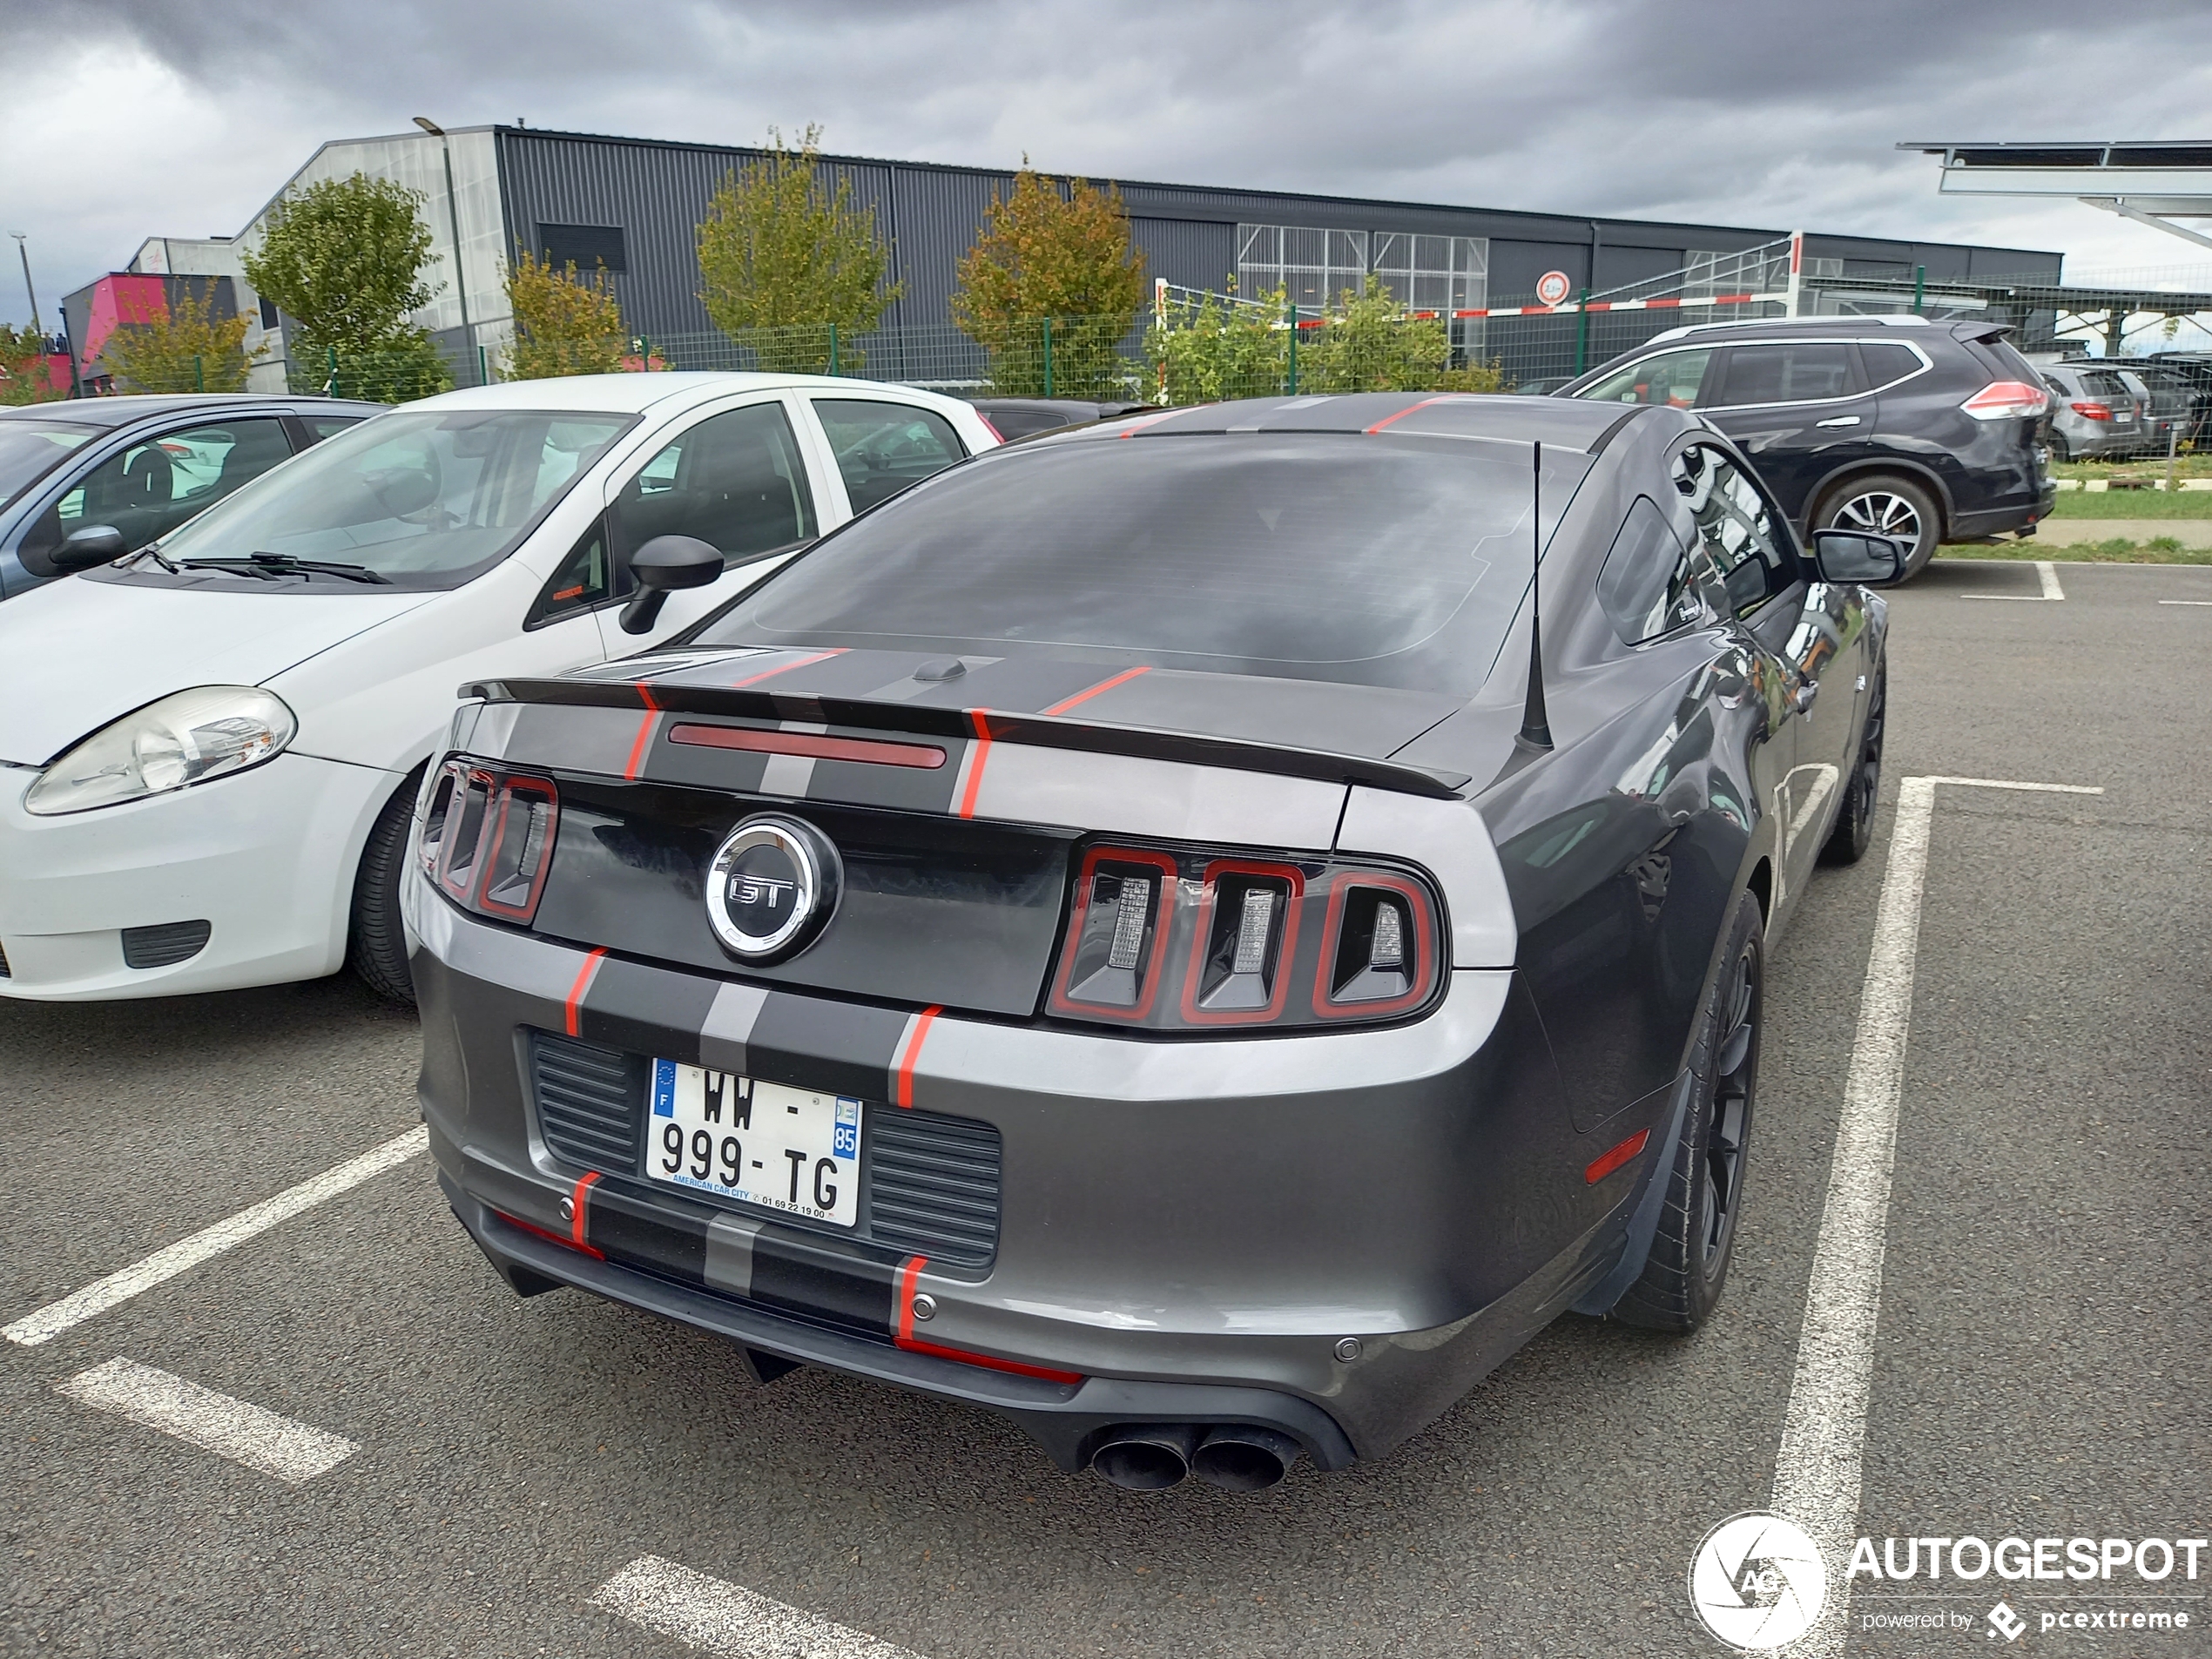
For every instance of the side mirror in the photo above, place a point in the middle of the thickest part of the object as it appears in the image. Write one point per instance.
(404, 489)
(662, 566)
(94, 544)
(1856, 555)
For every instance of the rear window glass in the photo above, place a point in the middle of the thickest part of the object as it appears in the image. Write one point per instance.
(1395, 562)
(2104, 383)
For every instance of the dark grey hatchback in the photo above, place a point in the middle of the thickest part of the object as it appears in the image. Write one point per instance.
(1930, 432)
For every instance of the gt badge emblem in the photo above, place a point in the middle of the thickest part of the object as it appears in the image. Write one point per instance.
(772, 888)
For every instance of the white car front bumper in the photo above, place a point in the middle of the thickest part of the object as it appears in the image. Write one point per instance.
(265, 858)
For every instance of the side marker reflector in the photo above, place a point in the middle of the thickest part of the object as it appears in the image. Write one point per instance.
(1625, 1153)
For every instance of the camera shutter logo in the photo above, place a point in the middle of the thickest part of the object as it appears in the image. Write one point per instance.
(1757, 1582)
(772, 888)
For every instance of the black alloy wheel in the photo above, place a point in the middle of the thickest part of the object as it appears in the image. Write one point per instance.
(1688, 1265)
(1854, 831)
(1728, 1122)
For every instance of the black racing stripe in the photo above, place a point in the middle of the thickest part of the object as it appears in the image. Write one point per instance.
(791, 1271)
(1026, 685)
(1310, 714)
(826, 1047)
(898, 788)
(575, 740)
(651, 1231)
(647, 1010)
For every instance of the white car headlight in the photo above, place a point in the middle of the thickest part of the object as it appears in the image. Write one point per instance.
(184, 739)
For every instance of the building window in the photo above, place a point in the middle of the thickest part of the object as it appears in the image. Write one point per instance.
(1759, 270)
(1438, 273)
(268, 314)
(586, 246)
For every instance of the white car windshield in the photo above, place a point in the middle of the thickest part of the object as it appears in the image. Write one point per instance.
(28, 449)
(421, 499)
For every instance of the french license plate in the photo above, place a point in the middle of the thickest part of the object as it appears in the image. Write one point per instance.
(765, 1144)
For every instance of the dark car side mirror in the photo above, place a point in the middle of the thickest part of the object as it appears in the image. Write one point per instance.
(1856, 555)
(662, 566)
(83, 548)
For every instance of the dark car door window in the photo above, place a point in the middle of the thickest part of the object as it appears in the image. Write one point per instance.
(1739, 529)
(156, 484)
(1647, 585)
(1794, 372)
(1887, 363)
(734, 481)
(1672, 378)
(882, 448)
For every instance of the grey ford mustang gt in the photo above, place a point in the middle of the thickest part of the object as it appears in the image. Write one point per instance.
(1166, 931)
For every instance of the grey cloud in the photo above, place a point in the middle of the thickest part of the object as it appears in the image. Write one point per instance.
(1708, 110)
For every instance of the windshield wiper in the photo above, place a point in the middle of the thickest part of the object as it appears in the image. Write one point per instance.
(152, 550)
(270, 566)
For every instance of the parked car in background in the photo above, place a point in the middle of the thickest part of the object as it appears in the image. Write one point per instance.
(209, 749)
(2194, 370)
(2095, 416)
(1024, 417)
(2163, 401)
(1929, 432)
(138, 466)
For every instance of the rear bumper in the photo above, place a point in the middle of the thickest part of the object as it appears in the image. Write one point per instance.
(1187, 1231)
(1066, 1420)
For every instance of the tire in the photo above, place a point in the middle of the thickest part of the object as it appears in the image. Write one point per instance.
(1683, 1278)
(1887, 504)
(376, 944)
(1848, 841)
(2058, 450)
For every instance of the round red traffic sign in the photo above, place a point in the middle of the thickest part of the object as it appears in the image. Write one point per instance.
(1554, 287)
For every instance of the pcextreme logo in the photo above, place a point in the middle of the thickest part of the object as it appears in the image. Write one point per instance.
(1757, 1582)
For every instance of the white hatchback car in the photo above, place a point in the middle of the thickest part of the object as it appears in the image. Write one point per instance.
(209, 750)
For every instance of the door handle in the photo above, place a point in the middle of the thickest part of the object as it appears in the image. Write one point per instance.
(1838, 420)
(1807, 690)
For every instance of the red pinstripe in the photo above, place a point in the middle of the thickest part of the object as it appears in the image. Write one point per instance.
(1102, 686)
(584, 976)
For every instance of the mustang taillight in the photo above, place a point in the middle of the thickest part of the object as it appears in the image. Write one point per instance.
(2001, 399)
(1176, 940)
(487, 838)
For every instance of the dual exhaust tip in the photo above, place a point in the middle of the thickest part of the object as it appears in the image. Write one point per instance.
(1151, 1457)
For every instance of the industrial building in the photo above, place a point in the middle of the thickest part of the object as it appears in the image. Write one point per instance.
(633, 206)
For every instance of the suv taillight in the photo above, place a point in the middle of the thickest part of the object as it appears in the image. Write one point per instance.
(487, 838)
(2005, 399)
(1180, 940)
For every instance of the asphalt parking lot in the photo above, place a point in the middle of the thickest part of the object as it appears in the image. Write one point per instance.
(2042, 1363)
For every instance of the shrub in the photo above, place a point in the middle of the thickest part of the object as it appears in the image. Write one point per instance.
(564, 323)
(1041, 255)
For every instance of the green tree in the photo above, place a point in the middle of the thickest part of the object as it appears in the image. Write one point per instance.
(565, 323)
(783, 257)
(23, 377)
(180, 346)
(1043, 256)
(343, 259)
(1205, 349)
(1372, 344)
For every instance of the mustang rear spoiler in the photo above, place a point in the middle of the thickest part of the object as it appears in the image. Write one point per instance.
(1041, 731)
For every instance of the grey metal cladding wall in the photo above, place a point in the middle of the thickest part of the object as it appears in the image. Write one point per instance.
(657, 193)
(938, 213)
(1191, 253)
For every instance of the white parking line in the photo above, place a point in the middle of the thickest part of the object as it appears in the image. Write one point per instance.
(2186, 602)
(2046, 575)
(722, 1618)
(166, 1262)
(261, 1440)
(1816, 1470)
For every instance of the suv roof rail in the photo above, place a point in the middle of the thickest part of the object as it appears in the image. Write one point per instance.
(1885, 321)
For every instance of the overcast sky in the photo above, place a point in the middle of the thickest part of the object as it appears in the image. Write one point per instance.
(127, 118)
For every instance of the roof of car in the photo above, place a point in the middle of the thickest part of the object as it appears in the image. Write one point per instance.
(121, 411)
(634, 393)
(1571, 424)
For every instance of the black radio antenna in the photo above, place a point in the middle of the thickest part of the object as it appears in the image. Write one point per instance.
(1535, 729)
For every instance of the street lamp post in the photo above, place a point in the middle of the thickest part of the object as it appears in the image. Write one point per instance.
(23, 248)
(453, 217)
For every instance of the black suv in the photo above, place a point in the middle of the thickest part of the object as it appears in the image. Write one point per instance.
(1930, 432)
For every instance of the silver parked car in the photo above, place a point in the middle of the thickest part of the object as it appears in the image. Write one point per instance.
(2096, 416)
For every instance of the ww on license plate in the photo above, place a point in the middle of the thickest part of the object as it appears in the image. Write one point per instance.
(765, 1144)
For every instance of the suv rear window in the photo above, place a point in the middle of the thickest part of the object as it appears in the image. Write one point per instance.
(1376, 562)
